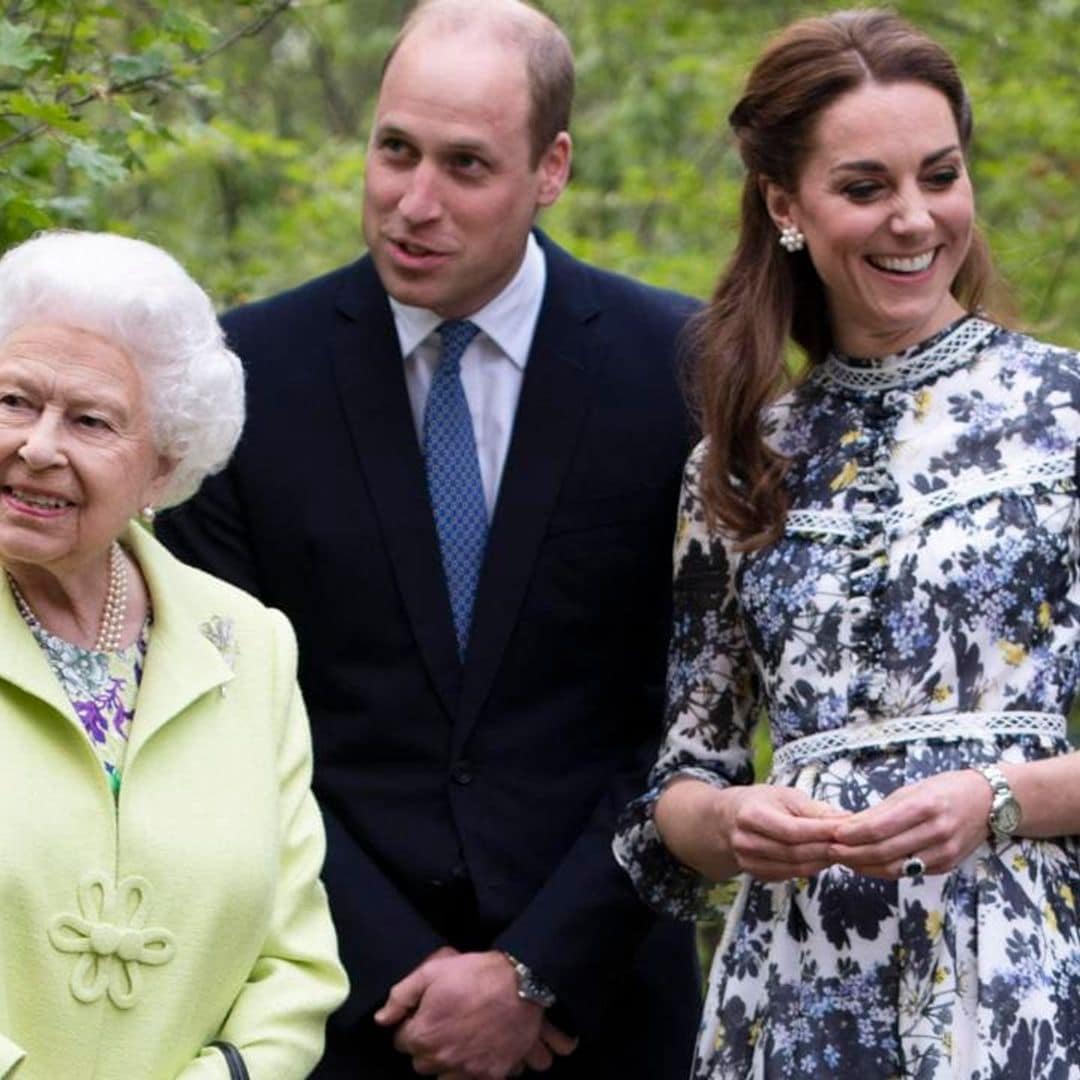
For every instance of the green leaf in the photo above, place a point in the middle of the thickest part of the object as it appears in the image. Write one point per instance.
(144, 121)
(100, 167)
(145, 65)
(195, 33)
(16, 48)
(69, 207)
(45, 112)
(22, 212)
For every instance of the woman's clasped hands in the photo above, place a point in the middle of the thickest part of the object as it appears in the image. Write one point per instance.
(779, 833)
(928, 827)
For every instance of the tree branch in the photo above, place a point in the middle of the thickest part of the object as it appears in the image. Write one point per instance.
(142, 82)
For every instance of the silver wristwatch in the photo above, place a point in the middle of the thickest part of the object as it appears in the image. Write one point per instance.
(530, 988)
(1005, 816)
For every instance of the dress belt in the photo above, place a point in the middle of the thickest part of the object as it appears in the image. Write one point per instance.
(928, 727)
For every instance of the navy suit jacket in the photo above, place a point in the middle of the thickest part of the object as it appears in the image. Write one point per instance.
(470, 803)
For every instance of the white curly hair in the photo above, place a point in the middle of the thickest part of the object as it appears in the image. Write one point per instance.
(139, 298)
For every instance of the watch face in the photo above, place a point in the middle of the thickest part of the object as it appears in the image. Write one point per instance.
(1007, 816)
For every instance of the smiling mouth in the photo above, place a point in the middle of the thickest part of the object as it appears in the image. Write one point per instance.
(36, 501)
(416, 250)
(896, 264)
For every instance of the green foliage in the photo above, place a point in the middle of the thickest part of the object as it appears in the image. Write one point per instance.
(234, 133)
(18, 49)
(657, 183)
(87, 87)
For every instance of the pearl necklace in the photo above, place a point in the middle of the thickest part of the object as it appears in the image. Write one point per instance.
(113, 613)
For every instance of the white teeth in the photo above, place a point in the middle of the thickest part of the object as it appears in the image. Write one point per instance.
(903, 266)
(41, 501)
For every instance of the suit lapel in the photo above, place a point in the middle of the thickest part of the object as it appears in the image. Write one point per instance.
(371, 379)
(553, 404)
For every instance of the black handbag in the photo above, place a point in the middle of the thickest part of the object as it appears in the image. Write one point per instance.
(237, 1068)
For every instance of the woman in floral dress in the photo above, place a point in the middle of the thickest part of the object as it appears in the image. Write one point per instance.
(883, 559)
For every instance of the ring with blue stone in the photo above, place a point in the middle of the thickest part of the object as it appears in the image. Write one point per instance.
(913, 867)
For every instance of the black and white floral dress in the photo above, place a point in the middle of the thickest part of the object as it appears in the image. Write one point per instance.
(921, 613)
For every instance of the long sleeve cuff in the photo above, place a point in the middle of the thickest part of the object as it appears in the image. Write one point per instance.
(662, 882)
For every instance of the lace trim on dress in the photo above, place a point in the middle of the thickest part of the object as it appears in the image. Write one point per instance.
(951, 351)
(901, 519)
(936, 727)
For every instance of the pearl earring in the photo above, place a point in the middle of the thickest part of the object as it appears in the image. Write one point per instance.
(148, 513)
(791, 239)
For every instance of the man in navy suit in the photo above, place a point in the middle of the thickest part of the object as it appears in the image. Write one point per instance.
(472, 755)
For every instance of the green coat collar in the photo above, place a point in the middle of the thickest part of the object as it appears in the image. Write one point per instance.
(182, 663)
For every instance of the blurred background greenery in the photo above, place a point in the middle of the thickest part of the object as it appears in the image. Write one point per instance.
(233, 132)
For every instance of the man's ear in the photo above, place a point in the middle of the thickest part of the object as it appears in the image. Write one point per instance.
(554, 169)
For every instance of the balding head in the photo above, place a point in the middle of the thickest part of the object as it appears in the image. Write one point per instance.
(549, 61)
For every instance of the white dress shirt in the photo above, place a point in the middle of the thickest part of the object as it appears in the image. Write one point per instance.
(492, 367)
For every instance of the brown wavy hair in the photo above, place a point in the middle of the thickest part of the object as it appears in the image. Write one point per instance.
(765, 295)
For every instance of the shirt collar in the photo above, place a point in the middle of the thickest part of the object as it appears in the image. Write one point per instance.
(509, 319)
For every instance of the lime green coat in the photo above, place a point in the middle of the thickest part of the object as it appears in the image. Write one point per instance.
(133, 934)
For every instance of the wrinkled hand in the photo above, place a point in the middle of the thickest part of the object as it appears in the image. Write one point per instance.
(780, 833)
(458, 1017)
(941, 820)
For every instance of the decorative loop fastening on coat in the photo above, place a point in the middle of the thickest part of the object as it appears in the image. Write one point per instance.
(112, 940)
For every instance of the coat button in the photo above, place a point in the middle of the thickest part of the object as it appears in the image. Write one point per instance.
(462, 773)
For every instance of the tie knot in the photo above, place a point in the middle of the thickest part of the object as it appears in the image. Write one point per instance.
(455, 335)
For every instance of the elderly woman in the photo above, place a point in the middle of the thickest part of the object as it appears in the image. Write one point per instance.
(159, 845)
(883, 557)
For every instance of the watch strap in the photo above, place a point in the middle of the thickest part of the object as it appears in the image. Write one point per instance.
(1001, 793)
(530, 987)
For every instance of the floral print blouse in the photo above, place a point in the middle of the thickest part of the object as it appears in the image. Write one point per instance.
(920, 613)
(102, 688)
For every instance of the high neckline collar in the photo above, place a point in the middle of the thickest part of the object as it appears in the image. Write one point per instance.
(942, 353)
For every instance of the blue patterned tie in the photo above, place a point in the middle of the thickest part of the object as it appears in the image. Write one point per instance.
(453, 477)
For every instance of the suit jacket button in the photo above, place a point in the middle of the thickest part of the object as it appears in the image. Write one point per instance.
(461, 773)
